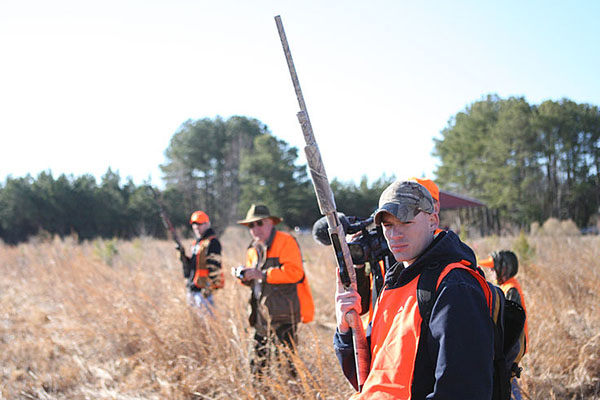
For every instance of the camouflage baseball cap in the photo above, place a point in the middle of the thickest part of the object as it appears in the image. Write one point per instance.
(404, 200)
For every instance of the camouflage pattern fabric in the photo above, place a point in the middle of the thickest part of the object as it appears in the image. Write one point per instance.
(404, 200)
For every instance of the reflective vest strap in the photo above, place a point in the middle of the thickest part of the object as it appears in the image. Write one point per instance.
(513, 283)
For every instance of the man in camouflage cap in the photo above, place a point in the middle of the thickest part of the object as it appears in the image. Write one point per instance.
(408, 207)
(414, 357)
(404, 199)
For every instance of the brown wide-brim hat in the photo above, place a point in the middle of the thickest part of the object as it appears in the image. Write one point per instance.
(258, 212)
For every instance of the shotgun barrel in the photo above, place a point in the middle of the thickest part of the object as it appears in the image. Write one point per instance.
(327, 207)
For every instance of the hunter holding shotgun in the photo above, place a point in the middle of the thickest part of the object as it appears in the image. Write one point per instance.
(203, 269)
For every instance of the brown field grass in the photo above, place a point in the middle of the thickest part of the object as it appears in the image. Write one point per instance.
(109, 320)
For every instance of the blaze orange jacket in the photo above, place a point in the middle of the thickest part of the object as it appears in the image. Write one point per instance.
(285, 289)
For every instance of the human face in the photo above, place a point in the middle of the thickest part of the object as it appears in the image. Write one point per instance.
(199, 229)
(493, 277)
(261, 229)
(407, 240)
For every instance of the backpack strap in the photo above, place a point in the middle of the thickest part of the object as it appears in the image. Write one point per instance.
(427, 290)
(430, 278)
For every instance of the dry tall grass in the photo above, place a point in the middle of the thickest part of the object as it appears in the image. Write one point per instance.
(109, 320)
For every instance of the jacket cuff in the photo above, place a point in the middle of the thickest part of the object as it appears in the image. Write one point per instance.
(342, 341)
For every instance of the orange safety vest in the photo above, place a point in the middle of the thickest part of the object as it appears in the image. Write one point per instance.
(395, 336)
(201, 279)
(283, 265)
(510, 284)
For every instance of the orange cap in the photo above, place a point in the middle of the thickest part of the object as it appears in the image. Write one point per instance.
(487, 262)
(430, 185)
(199, 217)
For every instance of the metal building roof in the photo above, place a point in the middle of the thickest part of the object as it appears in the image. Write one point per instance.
(450, 200)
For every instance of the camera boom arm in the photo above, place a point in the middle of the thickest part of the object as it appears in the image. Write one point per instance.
(328, 209)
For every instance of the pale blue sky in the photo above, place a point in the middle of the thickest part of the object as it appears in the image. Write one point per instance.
(87, 85)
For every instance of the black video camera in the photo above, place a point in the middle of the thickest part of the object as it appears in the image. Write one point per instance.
(370, 245)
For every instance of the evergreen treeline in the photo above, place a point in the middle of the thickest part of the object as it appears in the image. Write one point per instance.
(526, 162)
(76, 205)
(219, 166)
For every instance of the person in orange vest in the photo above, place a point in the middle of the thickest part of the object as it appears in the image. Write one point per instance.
(281, 297)
(450, 357)
(504, 266)
(203, 269)
(364, 282)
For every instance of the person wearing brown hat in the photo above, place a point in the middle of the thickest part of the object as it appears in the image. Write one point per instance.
(416, 357)
(281, 297)
(203, 269)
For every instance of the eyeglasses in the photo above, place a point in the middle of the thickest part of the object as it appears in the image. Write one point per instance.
(257, 223)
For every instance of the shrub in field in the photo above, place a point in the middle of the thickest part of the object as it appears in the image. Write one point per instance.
(534, 228)
(106, 250)
(551, 227)
(555, 227)
(523, 249)
(569, 228)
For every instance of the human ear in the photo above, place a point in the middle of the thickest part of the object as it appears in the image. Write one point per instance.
(434, 221)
